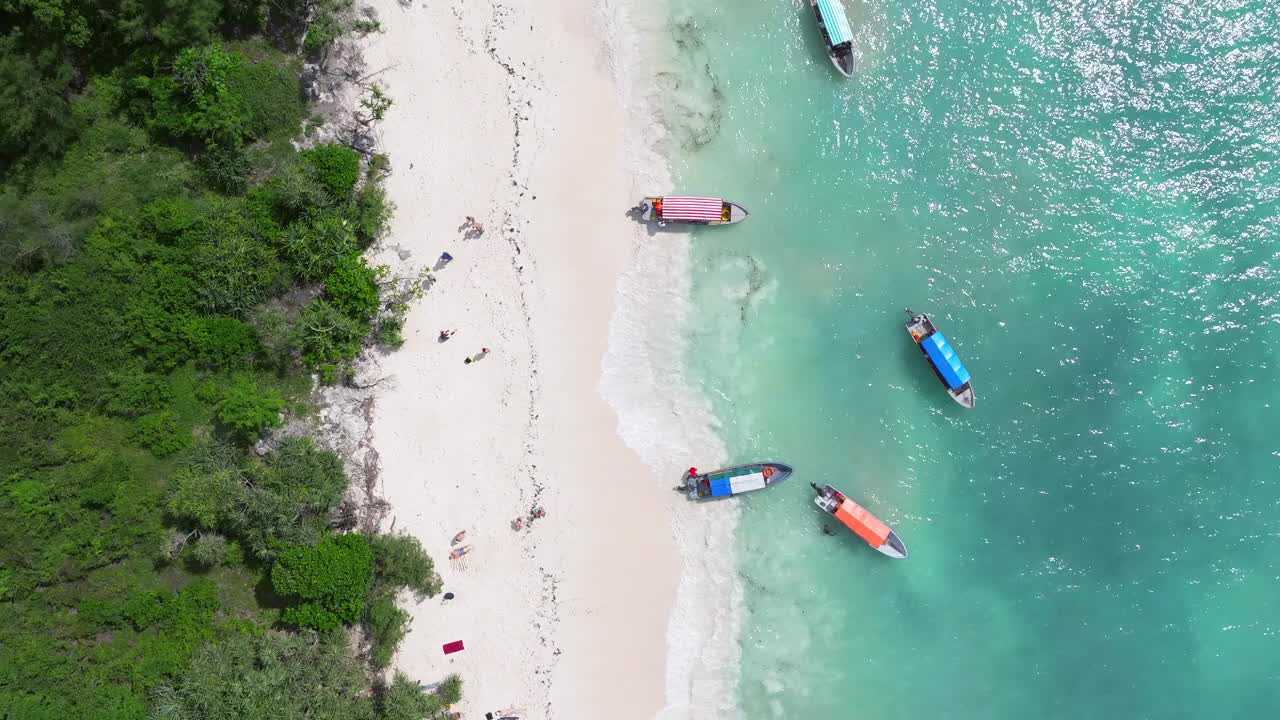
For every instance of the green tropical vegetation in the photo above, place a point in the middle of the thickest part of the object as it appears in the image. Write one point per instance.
(174, 275)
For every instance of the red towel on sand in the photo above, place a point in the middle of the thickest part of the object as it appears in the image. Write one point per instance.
(452, 647)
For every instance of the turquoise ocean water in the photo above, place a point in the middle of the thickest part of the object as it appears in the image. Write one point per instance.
(1084, 196)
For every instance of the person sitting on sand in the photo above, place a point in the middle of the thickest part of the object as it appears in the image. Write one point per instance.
(446, 334)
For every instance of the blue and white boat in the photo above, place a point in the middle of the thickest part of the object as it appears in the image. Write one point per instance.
(836, 33)
(942, 358)
(735, 480)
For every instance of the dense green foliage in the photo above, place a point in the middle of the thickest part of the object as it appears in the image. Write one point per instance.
(248, 409)
(353, 288)
(337, 167)
(399, 563)
(385, 624)
(285, 498)
(328, 580)
(290, 677)
(403, 699)
(172, 271)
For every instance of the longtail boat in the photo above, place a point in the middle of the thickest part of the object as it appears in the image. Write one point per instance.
(735, 480)
(836, 34)
(860, 521)
(691, 210)
(942, 358)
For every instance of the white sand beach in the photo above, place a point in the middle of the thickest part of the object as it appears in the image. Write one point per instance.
(509, 112)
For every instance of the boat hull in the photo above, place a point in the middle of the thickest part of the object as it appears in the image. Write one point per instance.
(843, 64)
(920, 328)
(860, 520)
(841, 56)
(734, 481)
(737, 213)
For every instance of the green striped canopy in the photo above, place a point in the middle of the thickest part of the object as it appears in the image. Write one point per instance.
(837, 24)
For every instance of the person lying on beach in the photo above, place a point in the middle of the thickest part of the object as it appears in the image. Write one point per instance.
(459, 552)
(462, 535)
(472, 228)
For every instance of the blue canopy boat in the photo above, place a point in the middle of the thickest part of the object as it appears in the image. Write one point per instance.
(942, 358)
(836, 33)
(732, 481)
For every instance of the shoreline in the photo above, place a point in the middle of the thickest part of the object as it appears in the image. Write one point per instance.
(570, 616)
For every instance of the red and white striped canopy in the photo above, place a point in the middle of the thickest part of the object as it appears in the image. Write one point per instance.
(691, 208)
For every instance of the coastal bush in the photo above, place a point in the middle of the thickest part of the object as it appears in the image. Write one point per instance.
(294, 192)
(265, 522)
(162, 433)
(227, 168)
(405, 699)
(223, 343)
(370, 212)
(353, 288)
(209, 550)
(315, 245)
(400, 562)
(275, 334)
(277, 676)
(322, 31)
(195, 100)
(132, 391)
(329, 581)
(234, 272)
(329, 336)
(390, 331)
(269, 87)
(309, 476)
(248, 409)
(221, 97)
(167, 218)
(385, 625)
(336, 167)
(285, 499)
(376, 103)
(206, 487)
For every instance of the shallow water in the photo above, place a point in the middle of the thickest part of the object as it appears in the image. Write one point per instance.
(1084, 196)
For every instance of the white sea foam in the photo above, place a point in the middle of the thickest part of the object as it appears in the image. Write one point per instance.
(662, 414)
